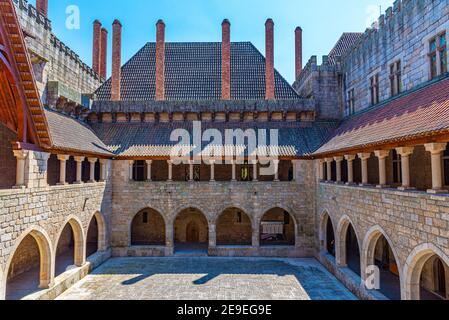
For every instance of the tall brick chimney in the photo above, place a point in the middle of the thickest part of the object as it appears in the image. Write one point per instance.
(96, 47)
(298, 51)
(104, 53)
(269, 56)
(116, 60)
(160, 60)
(226, 60)
(42, 7)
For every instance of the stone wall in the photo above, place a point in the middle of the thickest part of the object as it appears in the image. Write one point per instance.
(7, 159)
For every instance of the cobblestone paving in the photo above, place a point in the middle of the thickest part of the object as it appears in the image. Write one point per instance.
(209, 279)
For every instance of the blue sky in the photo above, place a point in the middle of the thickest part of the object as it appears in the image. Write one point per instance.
(323, 21)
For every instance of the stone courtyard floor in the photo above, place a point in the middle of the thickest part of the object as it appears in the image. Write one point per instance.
(207, 278)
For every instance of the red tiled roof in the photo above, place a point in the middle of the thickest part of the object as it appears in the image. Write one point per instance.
(422, 113)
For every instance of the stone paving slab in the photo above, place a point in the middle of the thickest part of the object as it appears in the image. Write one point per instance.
(206, 278)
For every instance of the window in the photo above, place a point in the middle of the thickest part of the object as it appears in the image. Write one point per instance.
(446, 166)
(351, 102)
(145, 217)
(397, 168)
(374, 87)
(239, 217)
(139, 168)
(438, 56)
(395, 78)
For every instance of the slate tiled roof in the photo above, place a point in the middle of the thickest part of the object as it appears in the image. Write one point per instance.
(193, 72)
(343, 45)
(421, 113)
(153, 139)
(72, 135)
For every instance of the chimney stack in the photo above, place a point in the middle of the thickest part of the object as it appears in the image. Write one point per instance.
(42, 7)
(298, 50)
(96, 47)
(160, 60)
(226, 60)
(269, 58)
(103, 53)
(116, 60)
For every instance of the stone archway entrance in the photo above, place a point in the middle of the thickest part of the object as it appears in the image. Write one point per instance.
(277, 228)
(191, 231)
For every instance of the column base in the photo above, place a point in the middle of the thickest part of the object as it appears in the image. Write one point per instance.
(78, 182)
(91, 181)
(406, 189)
(382, 186)
(19, 187)
(62, 184)
(350, 183)
(364, 185)
(440, 191)
(340, 182)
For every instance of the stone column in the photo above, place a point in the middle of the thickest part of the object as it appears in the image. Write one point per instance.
(191, 171)
(212, 235)
(130, 169)
(21, 156)
(338, 161)
(212, 170)
(350, 159)
(169, 239)
(103, 169)
(256, 236)
(149, 164)
(234, 176)
(329, 169)
(364, 157)
(295, 167)
(79, 169)
(321, 169)
(405, 153)
(382, 156)
(255, 171)
(170, 171)
(62, 168)
(436, 150)
(92, 162)
(276, 170)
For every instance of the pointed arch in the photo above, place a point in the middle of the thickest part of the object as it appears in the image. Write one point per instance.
(345, 224)
(79, 242)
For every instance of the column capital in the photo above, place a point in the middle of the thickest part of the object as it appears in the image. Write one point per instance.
(405, 151)
(149, 161)
(327, 160)
(20, 154)
(339, 159)
(103, 161)
(92, 160)
(170, 162)
(254, 161)
(350, 157)
(382, 154)
(79, 159)
(435, 148)
(63, 157)
(364, 155)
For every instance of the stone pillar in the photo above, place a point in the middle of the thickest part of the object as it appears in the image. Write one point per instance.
(170, 171)
(364, 157)
(329, 169)
(212, 235)
(255, 171)
(350, 159)
(276, 170)
(321, 169)
(79, 169)
(169, 239)
(256, 236)
(62, 168)
(212, 170)
(149, 164)
(382, 156)
(191, 171)
(234, 176)
(338, 161)
(92, 162)
(436, 150)
(21, 156)
(103, 169)
(130, 169)
(405, 153)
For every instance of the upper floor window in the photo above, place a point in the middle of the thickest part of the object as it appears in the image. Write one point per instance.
(438, 56)
(397, 167)
(446, 166)
(374, 87)
(395, 78)
(351, 102)
(139, 170)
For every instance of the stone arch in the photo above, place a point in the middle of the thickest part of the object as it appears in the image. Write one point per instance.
(233, 226)
(290, 229)
(150, 231)
(191, 226)
(97, 225)
(240, 207)
(325, 219)
(46, 262)
(344, 226)
(208, 213)
(370, 243)
(74, 225)
(414, 266)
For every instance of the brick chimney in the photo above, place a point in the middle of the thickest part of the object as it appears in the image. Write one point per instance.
(160, 60)
(298, 51)
(226, 60)
(104, 53)
(116, 60)
(96, 47)
(42, 7)
(269, 57)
